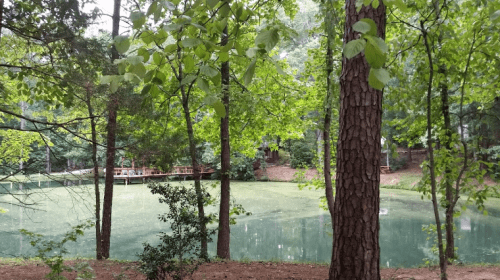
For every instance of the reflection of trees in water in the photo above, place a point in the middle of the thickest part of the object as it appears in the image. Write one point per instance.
(481, 243)
(302, 239)
(402, 242)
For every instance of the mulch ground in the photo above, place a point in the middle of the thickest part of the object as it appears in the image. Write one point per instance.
(234, 270)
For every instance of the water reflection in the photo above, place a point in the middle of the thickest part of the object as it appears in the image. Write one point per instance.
(274, 231)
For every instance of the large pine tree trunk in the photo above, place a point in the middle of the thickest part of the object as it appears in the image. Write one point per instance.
(110, 151)
(223, 238)
(356, 251)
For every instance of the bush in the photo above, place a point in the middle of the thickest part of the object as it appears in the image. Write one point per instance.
(397, 163)
(51, 252)
(284, 157)
(302, 155)
(178, 255)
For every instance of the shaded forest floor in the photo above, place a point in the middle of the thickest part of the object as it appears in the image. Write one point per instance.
(32, 270)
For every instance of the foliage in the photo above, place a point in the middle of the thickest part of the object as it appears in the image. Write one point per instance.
(284, 157)
(178, 254)
(51, 252)
(302, 154)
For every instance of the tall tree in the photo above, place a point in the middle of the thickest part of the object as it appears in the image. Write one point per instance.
(223, 237)
(110, 150)
(356, 251)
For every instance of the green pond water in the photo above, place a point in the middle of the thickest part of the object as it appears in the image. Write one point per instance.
(286, 224)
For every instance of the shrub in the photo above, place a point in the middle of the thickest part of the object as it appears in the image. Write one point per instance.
(51, 252)
(178, 255)
(302, 155)
(397, 163)
(284, 157)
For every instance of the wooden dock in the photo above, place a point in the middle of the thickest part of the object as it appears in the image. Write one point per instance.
(127, 174)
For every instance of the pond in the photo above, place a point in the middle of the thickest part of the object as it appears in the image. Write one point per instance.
(286, 224)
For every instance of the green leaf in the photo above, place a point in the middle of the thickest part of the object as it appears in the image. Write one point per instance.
(375, 4)
(200, 27)
(373, 26)
(267, 39)
(170, 48)
(122, 44)
(190, 42)
(138, 19)
(158, 58)
(104, 80)
(248, 76)
(239, 49)
(210, 99)
(147, 36)
(374, 56)
(361, 27)
(208, 71)
(113, 86)
(138, 70)
(135, 59)
(122, 68)
(220, 109)
(251, 52)
(160, 37)
(354, 47)
(144, 53)
(169, 5)
(495, 15)
(216, 79)
(188, 63)
(278, 68)
(149, 75)
(223, 56)
(378, 78)
(203, 85)
(188, 79)
(152, 8)
(172, 27)
(131, 77)
(212, 3)
(145, 89)
(200, 51)
(367, 2)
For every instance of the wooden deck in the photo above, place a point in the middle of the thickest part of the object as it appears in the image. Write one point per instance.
(127, 174)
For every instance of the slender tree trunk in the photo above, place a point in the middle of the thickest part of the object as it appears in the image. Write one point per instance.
(196, 173)
(223, 238)
(1, 18)
(110, 150)
(96, 176)
(47, 159)
(23, 106)
(194, 161)
(356, 251)
(445, 110)
(442, 257)
(327, 156)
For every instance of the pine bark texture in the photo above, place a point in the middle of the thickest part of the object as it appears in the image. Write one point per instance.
(356, 251)
(110, 151)
(223, 238)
